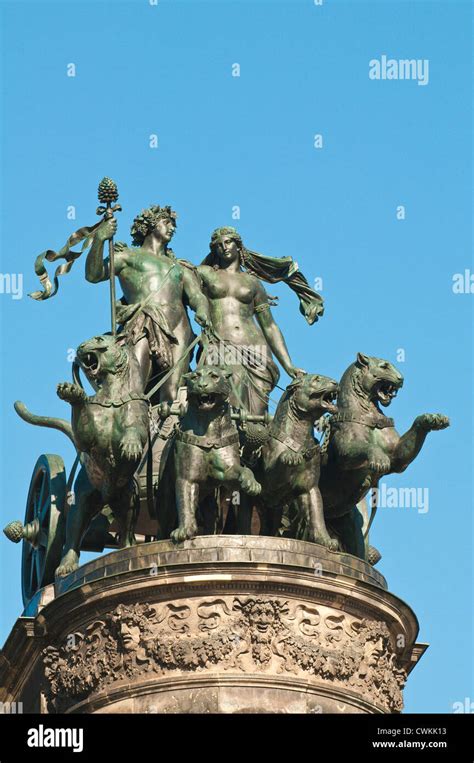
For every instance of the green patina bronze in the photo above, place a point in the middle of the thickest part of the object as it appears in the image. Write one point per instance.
(289, 465)
(162, 447)
(205, 456)
(243, 327)
(109, 430)
(363, 446)
(157, 288)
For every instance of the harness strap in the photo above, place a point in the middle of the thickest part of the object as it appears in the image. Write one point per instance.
(168, 373)
(369, 420)
(119, 401)
(296, 447)
(207, 443)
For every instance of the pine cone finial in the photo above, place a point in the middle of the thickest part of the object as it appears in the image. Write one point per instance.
(107, 191)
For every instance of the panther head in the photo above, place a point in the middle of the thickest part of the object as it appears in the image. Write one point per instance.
(313, 395)
(102, 355)
(208, 387)
(379, 379)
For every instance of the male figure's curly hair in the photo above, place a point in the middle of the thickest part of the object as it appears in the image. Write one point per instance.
(147, 221)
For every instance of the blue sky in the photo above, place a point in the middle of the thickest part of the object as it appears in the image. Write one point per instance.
(223, 141)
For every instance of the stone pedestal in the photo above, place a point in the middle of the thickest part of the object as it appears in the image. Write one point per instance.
(219, 624)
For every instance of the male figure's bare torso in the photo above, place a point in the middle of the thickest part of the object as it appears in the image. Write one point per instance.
(160, 288)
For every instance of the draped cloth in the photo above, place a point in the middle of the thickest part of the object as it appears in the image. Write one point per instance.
(252, 379)
(276, 270)
(148, 320)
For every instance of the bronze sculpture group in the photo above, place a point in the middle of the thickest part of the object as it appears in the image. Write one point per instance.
(168, 449)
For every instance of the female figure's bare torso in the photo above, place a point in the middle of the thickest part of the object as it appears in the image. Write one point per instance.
(240, 317)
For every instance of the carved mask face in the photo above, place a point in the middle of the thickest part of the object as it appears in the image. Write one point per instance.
(262, 616)
(129, 636)
(373, 651)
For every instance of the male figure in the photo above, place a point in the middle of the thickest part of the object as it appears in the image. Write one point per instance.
(157, 288)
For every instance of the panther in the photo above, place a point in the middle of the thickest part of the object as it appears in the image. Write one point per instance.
(363, 446)
(290, 460)
(110, 431)
(205, 455)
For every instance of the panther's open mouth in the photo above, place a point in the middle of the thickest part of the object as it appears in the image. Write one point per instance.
(386, 391)
(89, 361)
(206, 400)
(328, 401)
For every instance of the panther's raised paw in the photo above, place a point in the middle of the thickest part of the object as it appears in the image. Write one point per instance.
(433, 421)
(71, 393)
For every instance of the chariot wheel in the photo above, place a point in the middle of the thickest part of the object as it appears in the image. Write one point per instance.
(44, 510)
(44, 525)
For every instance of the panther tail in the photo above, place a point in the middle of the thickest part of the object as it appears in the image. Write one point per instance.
(44, 421)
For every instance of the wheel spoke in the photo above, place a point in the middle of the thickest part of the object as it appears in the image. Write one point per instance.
(44, 510)
(30, 510)
(43, 493)
(32, 576)
(35, 508)
(39, 557)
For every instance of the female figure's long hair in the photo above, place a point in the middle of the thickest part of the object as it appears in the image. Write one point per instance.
(271, 270)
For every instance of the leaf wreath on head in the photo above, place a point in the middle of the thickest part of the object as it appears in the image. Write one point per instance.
(147, 221)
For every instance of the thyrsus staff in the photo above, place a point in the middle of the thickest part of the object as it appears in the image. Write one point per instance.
(108, 194)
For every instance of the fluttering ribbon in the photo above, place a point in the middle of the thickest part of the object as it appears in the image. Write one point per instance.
(85, 234)
(277, 269)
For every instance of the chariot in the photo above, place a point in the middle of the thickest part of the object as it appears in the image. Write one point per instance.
(50, 496)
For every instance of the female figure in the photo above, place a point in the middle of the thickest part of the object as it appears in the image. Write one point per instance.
(245, 334)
